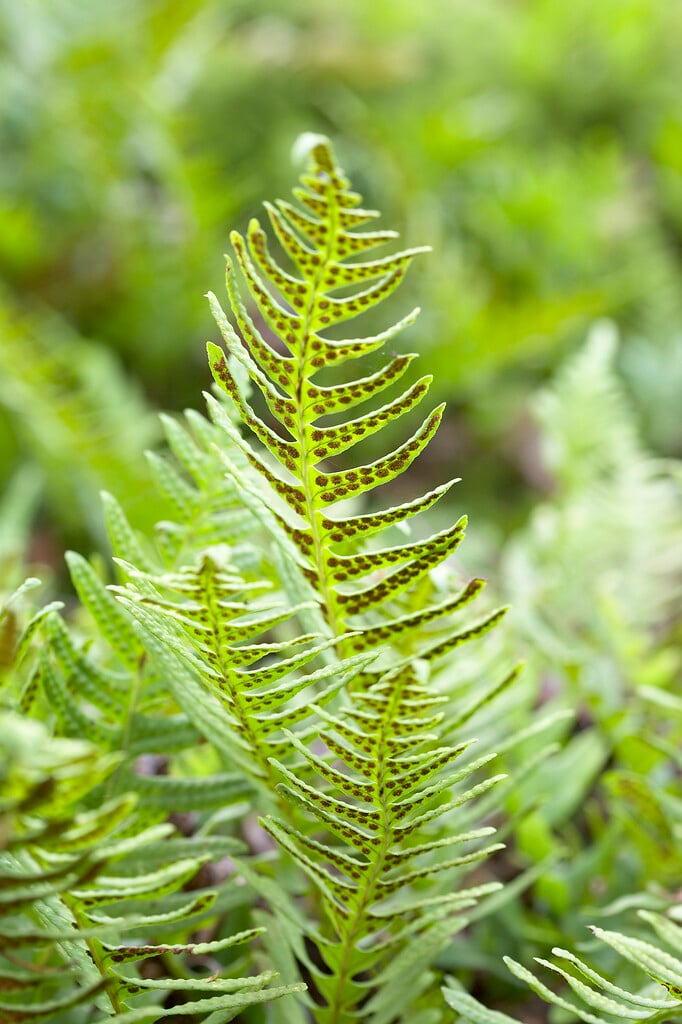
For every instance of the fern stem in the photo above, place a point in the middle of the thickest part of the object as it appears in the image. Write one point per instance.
(356, 922)
(307, 465)
(94, 950)
(355, 928)
(249, 733)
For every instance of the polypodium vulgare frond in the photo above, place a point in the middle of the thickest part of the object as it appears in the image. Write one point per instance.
(381, 785)
(283, 349)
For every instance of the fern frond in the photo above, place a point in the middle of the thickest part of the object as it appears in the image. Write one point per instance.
(585, 557)
(82, 426)
(207, 616)
(613, 1003)
(298, 305)
(383, 783)
(653, 960)
(59, 865)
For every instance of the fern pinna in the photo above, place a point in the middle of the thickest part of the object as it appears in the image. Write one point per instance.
(386, 788)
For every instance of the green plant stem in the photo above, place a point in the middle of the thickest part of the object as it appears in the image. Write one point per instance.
(260, 754)
(355, 923)
(308, 470)
(94, 950)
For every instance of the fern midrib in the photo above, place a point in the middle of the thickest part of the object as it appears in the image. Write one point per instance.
(190, 531)
(95, 950)
(128, 726)
(357, 922)
(302, 426)
(252, 738)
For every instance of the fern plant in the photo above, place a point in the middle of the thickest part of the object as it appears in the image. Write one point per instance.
(387, 772)
(593, 577)
(297, 647)
(92, 872)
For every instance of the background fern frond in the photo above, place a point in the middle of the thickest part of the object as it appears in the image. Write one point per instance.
(611, 532)
(77, 417)
(61, 864)
(600, 1000)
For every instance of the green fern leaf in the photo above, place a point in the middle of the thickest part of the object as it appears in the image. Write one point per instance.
(376, 807)
(112, 623)
(63, 872)
(17, 1013)
(218, 633)
(228, 1006)
(596, 992)
(298, 306)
